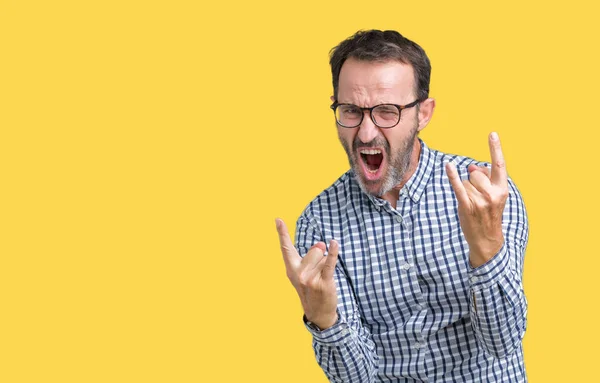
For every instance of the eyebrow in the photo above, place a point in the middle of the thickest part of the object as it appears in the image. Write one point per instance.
(360, 106)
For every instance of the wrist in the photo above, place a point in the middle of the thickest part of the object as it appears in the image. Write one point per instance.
(322, 323)
(479, 255)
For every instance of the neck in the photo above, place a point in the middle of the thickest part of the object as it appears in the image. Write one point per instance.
(393, 195)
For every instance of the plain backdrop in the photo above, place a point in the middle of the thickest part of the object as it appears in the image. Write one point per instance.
(146, 148)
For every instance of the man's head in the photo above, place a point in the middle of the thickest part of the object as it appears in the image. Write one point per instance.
(373, 68)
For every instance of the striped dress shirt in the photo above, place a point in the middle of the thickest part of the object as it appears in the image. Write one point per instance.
(410, 306)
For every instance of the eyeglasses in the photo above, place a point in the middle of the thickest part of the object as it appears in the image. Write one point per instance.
(383, 115)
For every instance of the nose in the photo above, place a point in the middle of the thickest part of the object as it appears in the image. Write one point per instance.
(367, 130)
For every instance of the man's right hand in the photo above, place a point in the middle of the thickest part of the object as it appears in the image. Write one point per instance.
(312, 277)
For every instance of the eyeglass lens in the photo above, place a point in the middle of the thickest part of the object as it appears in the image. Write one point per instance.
(384, 116)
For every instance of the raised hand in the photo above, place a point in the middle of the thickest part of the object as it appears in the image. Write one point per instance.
(481, 201)
(312, 277)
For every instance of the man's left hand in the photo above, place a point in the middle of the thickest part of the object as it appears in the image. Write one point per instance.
(481, 201)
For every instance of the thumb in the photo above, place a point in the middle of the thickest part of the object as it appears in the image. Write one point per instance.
(484, 169)
(320, 245)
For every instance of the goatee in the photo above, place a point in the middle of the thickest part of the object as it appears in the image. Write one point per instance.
(397, 166)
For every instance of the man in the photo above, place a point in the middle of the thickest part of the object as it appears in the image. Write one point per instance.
(422, 276)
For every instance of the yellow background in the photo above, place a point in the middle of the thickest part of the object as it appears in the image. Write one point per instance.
(147, 146)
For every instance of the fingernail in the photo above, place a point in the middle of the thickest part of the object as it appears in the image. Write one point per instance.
(494, 136)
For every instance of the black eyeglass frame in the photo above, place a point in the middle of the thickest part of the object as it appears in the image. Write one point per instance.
(400, 108)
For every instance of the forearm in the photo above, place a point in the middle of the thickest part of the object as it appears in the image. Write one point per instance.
(498, 307)
(345, 353)
(345, 350)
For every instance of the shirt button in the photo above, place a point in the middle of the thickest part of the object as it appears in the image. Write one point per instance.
(474, 280)
(405, 266)
(419, 307)
(399, 219)
(418, 345)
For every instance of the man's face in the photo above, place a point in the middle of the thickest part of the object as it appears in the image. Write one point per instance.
(379, 157)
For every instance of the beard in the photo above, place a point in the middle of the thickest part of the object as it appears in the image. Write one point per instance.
(397, 163)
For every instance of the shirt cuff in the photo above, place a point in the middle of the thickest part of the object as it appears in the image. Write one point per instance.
(490, 272)
(336, 334)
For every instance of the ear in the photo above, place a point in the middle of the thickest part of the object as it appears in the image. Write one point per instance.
(332, 99)
(425, 112)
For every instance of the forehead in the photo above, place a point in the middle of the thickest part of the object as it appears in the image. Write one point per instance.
(375, 80)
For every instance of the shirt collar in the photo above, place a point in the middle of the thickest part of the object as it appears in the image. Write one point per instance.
(417, 183)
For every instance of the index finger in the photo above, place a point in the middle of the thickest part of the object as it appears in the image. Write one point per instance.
(498, 176)
(290, 255)
(459, 189)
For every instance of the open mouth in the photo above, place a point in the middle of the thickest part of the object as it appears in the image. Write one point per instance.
(372, 159)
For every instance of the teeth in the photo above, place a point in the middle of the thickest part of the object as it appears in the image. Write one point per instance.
(370, 151)
(372, 171)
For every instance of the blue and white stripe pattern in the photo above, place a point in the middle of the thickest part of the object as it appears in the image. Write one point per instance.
(411, 308)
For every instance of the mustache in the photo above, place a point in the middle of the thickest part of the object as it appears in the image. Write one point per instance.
(377, 142)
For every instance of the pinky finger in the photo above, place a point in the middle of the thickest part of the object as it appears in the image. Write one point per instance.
(331, 259)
